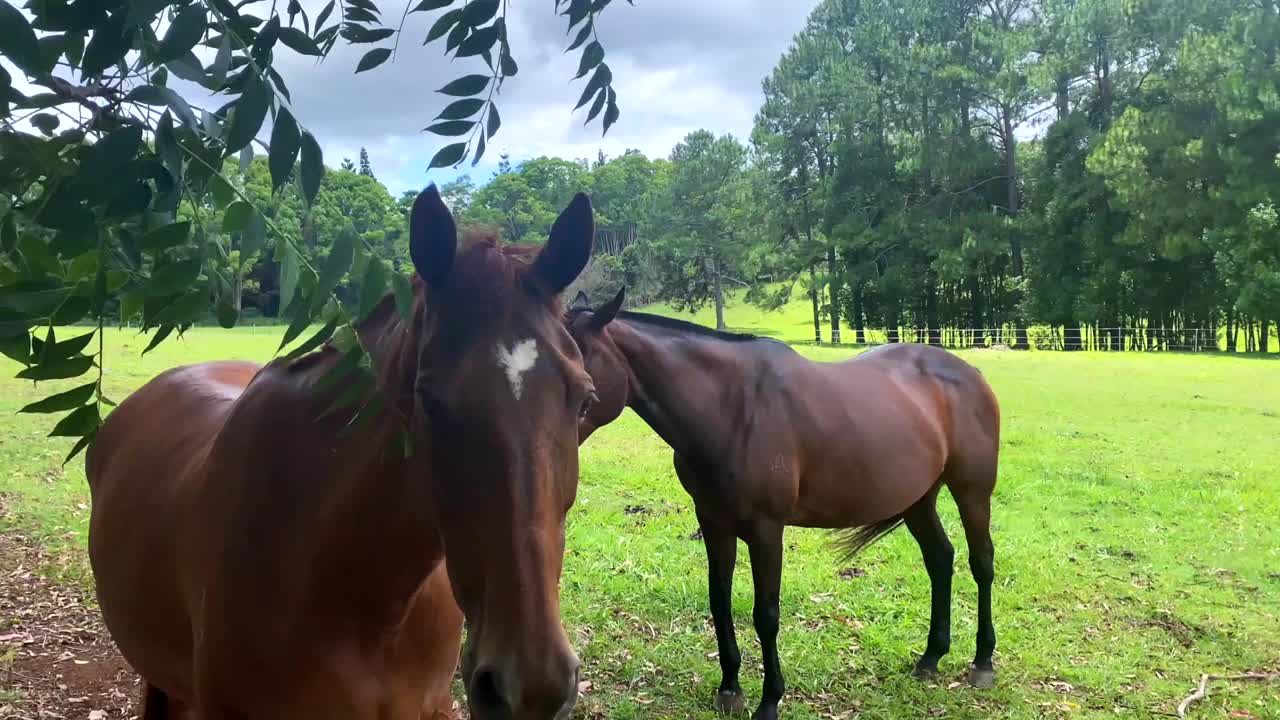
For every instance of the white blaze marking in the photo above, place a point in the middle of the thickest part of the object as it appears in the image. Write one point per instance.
(517, 361)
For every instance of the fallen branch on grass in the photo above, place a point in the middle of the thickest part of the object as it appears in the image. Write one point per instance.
(1205, 679)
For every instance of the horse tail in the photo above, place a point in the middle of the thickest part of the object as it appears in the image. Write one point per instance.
(155, 704)
(851, 541)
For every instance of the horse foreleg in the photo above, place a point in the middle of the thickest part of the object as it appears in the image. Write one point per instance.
(939, 559)
(766, 571)
(722, 556)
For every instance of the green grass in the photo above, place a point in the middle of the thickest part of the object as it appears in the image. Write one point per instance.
(1136, 522)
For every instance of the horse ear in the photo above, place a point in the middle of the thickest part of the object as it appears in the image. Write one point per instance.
(433, 238)
(609, 310)
(580, 302)
(569, 247)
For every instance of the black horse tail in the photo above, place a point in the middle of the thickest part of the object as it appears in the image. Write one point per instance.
(851, 541)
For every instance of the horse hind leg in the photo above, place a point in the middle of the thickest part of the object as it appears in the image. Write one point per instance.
(158, 705)
(939, 557)
(973, 498)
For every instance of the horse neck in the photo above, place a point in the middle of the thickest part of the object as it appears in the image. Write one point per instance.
(681, 383)
(382, 516)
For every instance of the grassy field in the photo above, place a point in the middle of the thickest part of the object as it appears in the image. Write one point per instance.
(1135, 521)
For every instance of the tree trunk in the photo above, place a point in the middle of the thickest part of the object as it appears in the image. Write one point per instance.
(1231, 330)
(859, 325)
(833, 291)
(813, 296)
(1062, 98)
(933, 333)
(1265, 342)
(715, 270)
(1020, 341)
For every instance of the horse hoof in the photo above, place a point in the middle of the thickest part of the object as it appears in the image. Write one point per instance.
(981, 678)
(925, 674)
(729, 702)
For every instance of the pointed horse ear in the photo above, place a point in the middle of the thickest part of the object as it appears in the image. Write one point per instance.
(569, 246)
(605, 314)
(433, 237)
(580, 302)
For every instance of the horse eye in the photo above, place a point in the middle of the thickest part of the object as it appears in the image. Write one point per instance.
(587, 402)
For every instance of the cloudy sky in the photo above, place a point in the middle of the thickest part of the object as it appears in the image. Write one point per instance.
(678, 65)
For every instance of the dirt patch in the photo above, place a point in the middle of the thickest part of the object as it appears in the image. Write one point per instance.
(56, 660)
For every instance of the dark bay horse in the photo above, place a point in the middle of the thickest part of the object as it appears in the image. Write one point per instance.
(256, 558)
(765, 438)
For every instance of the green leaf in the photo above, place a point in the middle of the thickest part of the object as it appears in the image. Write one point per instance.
(221, 62)
(448, 155)
(315, 340)
(72, 311)
(475, 160)
(479, 41)
(466, 86)
(163, 238)
(17, 40)
(288, 275)
(301, 319)
(44, 122)
(161, 333)
(58, 369)
(78, 423)
(354, 390)
(107, 46)
(236, 218)
(186, 309)
(155, 95)
(253, 238)
(611, 113)
(426, 5)
(222, 191)
(188, 68)
(173, 278)
(32, 299)
(183, 34)
(298, 41)
(250, 113)
(456, 36)
(591, 57)
(404, 295)
(8, 232)
(451, 128)
(479, 12)
(312, 167)
(583, 34)
(373, 59)
(335, 266)
(324, 14)
(167, 148)
(443, 24)
(130, 305)
(373, 287)
(63, 401)
(459, 109)
(66, 348)
(597, 106)
(283, 153)
(599, 79)
(107, 155)
(80, 445)
(508, 64)
(495, 122)
(16, 348)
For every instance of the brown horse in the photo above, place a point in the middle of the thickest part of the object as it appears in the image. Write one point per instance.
(765, 438)
(256, 558)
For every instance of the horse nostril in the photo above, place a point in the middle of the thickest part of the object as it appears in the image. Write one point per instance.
(487, 691)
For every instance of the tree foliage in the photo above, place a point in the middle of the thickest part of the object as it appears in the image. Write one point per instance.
(122, 199)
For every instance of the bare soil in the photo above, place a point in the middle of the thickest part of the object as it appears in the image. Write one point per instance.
(56, 660)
